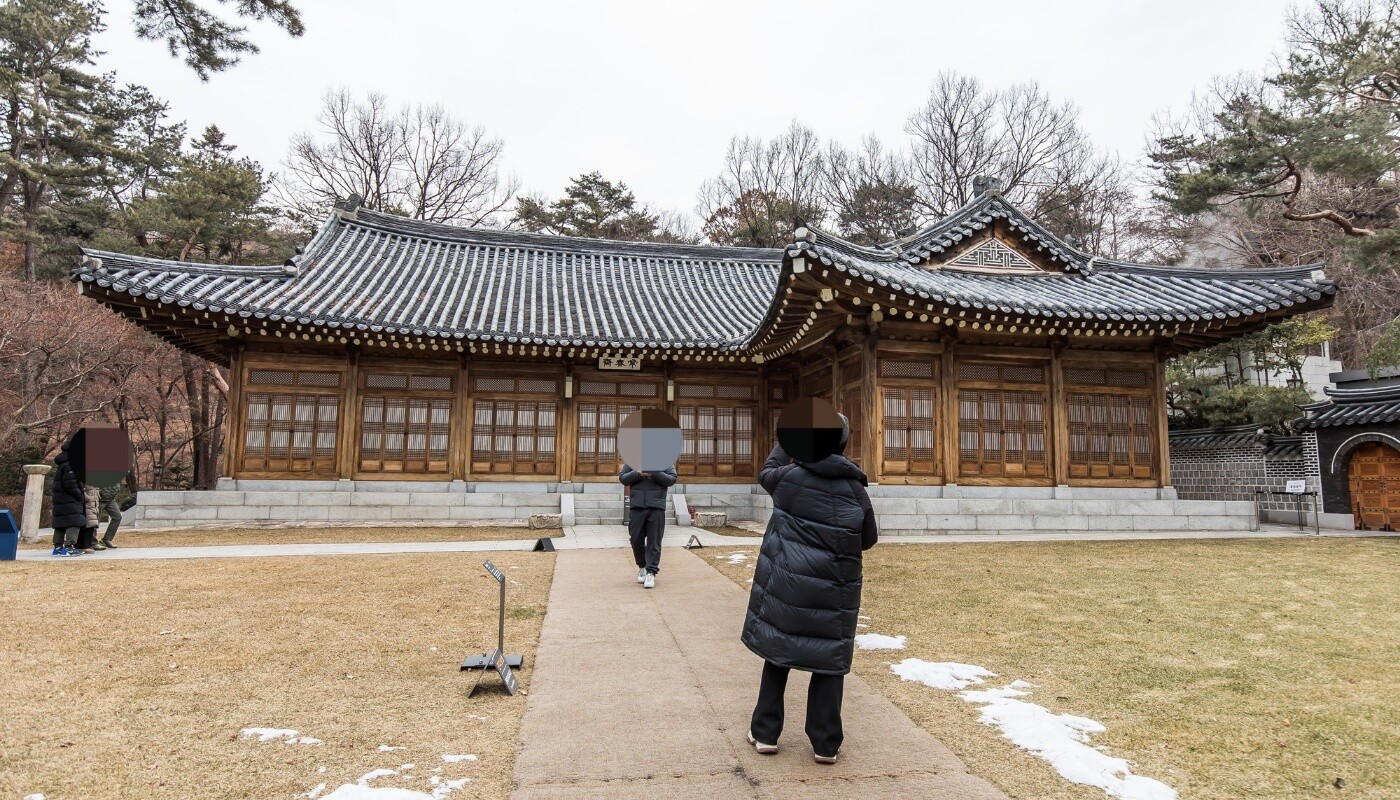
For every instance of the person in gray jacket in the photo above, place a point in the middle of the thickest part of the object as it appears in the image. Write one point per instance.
(805, 598)
(647, 521)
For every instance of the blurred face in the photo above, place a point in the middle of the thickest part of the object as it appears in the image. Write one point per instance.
(100, 455)
(810, 429)
(649, 439)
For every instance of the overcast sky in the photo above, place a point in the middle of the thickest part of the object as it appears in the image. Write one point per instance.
(650, 93)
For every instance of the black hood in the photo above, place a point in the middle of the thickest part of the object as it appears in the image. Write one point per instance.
(835, 466)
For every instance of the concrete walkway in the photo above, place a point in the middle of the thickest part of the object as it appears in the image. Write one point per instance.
(647, 694)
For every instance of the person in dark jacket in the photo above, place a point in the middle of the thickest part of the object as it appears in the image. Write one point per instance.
(647, 521)
(69, 506)
(806, 591)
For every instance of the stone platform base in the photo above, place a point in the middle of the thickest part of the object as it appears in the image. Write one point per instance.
(901, 510)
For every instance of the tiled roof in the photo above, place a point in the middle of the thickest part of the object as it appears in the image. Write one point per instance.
(384, 273)
(1091, 288)
(1251, 436)
(1367, 406)
(367, 274)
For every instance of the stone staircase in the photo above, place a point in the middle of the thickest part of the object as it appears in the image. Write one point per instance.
(598, 508)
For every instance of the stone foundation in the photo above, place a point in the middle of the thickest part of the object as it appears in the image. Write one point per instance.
(902, 510)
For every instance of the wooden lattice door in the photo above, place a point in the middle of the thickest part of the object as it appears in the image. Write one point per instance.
(1374, 478)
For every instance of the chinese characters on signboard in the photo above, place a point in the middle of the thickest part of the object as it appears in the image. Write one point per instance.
(620, 362)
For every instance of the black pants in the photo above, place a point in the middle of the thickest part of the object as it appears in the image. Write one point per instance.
(823, 709)
(114, 518)
(646, 526)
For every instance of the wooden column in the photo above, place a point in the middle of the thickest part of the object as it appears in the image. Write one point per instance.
(566, 431)
(763, 433)
(872, 426)
(347, 449)
(834, 356)
(1058, 435)
(947, 427)
(1164, 456)
(233, 415)
(459, 442)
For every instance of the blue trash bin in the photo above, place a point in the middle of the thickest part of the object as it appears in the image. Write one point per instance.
(9, 536)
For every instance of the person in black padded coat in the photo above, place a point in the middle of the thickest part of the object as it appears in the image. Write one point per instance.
(806, 591)
(69, 506)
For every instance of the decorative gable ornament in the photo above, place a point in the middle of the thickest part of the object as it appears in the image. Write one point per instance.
(993, 256)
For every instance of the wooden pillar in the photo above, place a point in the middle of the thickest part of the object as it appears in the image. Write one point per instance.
(1058, 438)
(763, 433)
(948, 425)
(234, 415)
(872, 426)
(459, 441)
(1159, 394)
(834, 354)
(347, 450)
(566, 431)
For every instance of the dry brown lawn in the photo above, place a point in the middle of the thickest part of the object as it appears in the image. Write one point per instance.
(730, 530)
(200, 538)
(133, 679)
(1226, 669)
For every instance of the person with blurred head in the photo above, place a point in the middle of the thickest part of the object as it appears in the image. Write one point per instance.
(806, 591)
(647, 520)
(69, 506)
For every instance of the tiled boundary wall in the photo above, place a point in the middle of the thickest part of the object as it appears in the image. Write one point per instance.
(1232, 463)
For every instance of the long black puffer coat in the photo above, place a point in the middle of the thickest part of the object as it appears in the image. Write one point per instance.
(69, 500)
(806, 590)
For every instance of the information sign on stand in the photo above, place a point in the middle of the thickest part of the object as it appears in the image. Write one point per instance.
(1297, 487)
(496, 660)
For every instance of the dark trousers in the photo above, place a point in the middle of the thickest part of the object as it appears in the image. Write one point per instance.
(823, 709)
(66, 536)
(646, 526)
(114, 518)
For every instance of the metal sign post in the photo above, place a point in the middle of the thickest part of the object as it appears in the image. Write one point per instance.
(498, 659)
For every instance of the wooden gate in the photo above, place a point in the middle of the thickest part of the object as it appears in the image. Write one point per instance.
(1374, 478)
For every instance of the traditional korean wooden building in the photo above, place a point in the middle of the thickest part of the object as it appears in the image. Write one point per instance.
(981, 350)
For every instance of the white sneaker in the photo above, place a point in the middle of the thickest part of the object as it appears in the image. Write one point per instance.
(823, 759)
(649, 582)
(762, 748)
(642, 575)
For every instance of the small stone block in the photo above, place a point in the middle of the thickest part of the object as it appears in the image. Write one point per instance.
(540, 521)
(711, 519)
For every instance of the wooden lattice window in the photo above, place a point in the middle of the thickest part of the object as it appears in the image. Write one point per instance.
(1110, 421)
(1001, 420)
(601, 407)
(717, 441)
(515, 437)
(401, 434)
(290, 433)
(910, 447)
(853, 406)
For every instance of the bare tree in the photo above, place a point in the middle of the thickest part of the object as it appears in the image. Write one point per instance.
(1019, 135)
(870, 191)
(763, 188)
(419, 161)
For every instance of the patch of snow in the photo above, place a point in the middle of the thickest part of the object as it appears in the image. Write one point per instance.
(304, 740)
(34, 797)
(314, 793)
(384, 748)
(364, 779)
(268, 734)
(406, 767)
(738, 558)
(321, 770)
(940, 675)
(448, 787)
(1060, 739)
(455, 759)
(861, 625)
(1063, 740)
(862, 616)
(351, 791)
(879, 641)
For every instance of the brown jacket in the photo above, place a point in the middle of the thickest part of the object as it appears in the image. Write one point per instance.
(91, 502)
